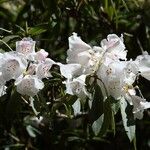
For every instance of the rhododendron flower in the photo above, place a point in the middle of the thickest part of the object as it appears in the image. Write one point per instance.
(69, 70)
(83, 54)
(12, 65)
(25, 46)
(29, 85)
(2, 90)
(77, 45)
(139, 103)
(41, 55)
(43, 68)
(114, 46)
(77, 87)
(143, 62)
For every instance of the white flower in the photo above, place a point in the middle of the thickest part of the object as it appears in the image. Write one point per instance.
(77, 45)
(69, 70)
(12, 65)
(117, 76)
(114, 46)
(77, 87)
(143, 62)
(112, 75)
(2, 80)
(139, 105)
(82, 53)
(41, 55)
(29, 85)
(43, 68)
(77, 48)
(25, 46)
(2, 90)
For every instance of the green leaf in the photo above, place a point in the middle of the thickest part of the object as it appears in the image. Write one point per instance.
(108, 114)
(32, 131)
(10, 37)
(97, 124)
(129, 128)
(36, 30)
(3, 104)
(14, 105)
(74, 138)
(97, 104)
(115, 104)
(76, 107)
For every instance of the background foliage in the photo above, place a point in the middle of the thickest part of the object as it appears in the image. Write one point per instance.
(50, 23)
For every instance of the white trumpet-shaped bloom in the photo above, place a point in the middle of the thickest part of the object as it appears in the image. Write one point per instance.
(143, 62)
(69, 70)
(43, 68)
(12, 65)
(29, 85)
(83, 54)
(77, 87)
(25, 46)
(41, 55)
(114, 47)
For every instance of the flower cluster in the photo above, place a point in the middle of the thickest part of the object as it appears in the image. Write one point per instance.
(109, 63)
(26, 67)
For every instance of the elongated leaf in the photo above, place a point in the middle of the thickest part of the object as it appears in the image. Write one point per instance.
(107, 116)
(97, 104)
(32, 131)
(130, 129)
(37, 30)
(76, 107)
(10, 37)
(115, 104)
(13, 106)
(97, 124)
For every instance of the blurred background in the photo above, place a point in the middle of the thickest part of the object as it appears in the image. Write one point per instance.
(50, 23)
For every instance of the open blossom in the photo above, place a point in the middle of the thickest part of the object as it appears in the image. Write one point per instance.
(2, 90)
(143, 62)
(41, 55)
(77, 45)
(25, 46)
(69, 70)
(114, 47)
(43, 68)
(77, 87)
(12, 65)
(29, 85)
(2, 80)
(139, 103)
(83, 54)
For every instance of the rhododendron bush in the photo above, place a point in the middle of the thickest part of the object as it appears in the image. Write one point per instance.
(74, 75)
(99, 78)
